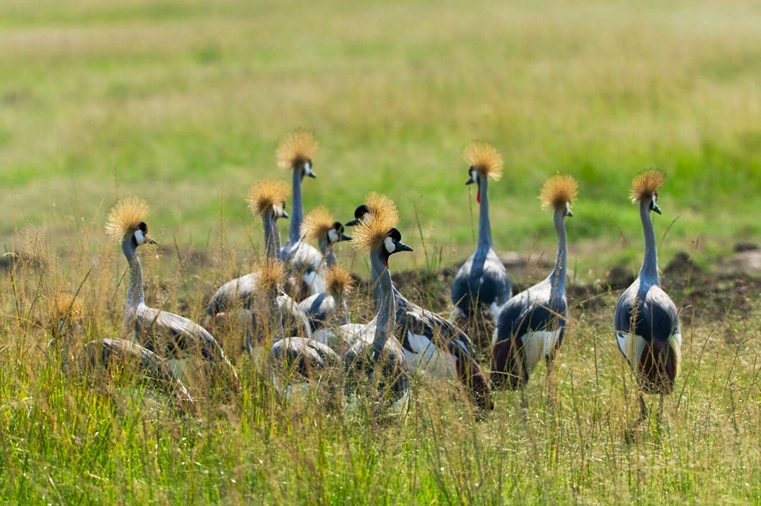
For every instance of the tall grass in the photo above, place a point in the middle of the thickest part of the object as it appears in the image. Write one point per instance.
(68, 440)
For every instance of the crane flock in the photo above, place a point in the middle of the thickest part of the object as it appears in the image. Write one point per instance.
(292, 308)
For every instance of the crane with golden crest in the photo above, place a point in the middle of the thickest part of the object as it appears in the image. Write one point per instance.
(646, 320)
(295, 152)
(266, 198)
(531, 326)
(482, 283)
(168, 335)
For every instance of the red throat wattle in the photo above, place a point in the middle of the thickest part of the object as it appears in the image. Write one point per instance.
(478, 196)
(385, 262)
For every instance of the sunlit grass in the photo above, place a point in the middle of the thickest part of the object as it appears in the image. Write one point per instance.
(183, 104)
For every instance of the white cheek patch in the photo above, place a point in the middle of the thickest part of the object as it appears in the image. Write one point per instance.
(139, 237)
(332, 235)
(307, 167)
(390, 246)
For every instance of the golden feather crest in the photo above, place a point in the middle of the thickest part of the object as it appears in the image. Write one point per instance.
(66, 307)
(266, 193)
(558, 191)
(380, 204)
(371, 234)
(646, 184)
(338, 280)
(317, 223)
(296, 148)
(270, 275)
(484, 158)
(125, 217)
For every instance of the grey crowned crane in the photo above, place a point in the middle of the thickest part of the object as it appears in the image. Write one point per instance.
(531, 326)
(431, 344)
(299, 354)
(295, 153)
(646, 320)
(328, 310)
(166, 334)
(482, 283)
(376, 354)
(266, 198)
(102, 356)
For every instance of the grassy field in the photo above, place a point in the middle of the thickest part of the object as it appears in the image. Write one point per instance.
(183, 104)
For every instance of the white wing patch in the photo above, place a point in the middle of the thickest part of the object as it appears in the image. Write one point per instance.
(428, 358)
(538, 345)
(621, 339)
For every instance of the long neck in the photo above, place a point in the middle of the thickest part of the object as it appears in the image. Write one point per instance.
(484, 227)
(385, 321)
(271, 235)
(558, 276)
(649, 271)
(135, 295)
(330, 257)
(297, 214)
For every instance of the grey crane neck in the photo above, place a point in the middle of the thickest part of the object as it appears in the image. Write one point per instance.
(327, 251)
(484, 226)
(649, 271)
(385, 321)
(271, 235)
(135, 296)
(297, 214)
(559, 271)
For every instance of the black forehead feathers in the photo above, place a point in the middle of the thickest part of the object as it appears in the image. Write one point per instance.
(395, 235)
(338, 227)
(142, 227)
(361, 211)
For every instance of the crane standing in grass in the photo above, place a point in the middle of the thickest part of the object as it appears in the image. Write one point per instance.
(646, 320)
(375, 347)
(166, 334)
(295, 153)
(531, 326)
(482, 282)
(267, 199)
(431, 344)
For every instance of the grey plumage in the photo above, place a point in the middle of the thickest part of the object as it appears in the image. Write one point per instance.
(646, 320)
(482, 283)
(531, 325)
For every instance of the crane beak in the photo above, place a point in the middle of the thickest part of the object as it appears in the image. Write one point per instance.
(656, 208)
(148, 240)
(285, 215)
(345, 237)
(400, 246)
(469, 181)
(352, 223)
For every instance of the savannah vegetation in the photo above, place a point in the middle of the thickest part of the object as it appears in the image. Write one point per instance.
(183, 103)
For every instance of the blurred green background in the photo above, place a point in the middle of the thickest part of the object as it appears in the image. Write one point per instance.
(183, 103)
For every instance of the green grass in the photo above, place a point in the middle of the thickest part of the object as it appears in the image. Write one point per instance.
(183, 104)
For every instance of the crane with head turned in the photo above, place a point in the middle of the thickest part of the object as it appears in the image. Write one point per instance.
(102, 356)
(531, 325)
(375, 349)
(166, 334)
(646, 320)
(266, 198)
(328, 310)
(482, 283)
(295, 152)
(431, 344)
